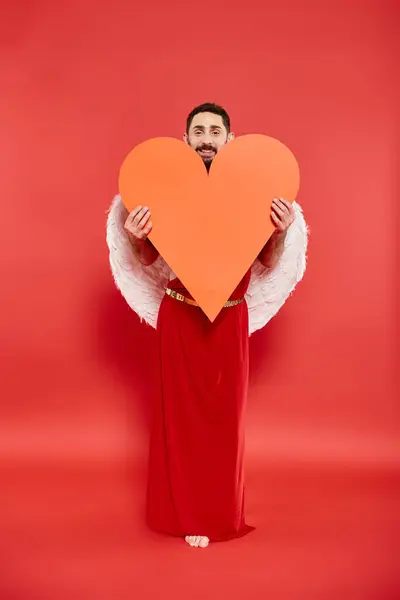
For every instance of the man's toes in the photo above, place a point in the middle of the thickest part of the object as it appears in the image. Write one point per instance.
(197, 541)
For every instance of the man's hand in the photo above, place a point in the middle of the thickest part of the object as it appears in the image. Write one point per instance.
(282, 214)
(138, 227)
(138, 224)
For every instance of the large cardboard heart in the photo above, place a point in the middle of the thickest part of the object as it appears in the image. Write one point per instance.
(209, 228)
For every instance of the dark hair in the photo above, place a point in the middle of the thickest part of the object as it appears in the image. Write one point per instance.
(209, 107)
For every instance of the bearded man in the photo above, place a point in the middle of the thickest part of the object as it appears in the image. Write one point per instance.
(196, 477)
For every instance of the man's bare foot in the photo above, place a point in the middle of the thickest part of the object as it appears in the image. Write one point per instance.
(199, 541)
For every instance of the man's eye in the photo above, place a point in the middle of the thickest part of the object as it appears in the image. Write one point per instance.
(216, 132)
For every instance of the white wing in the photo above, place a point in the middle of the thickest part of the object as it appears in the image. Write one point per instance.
(142, 287)
(269, 289)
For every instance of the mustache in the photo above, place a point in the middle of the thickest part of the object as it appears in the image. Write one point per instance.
(205, 147)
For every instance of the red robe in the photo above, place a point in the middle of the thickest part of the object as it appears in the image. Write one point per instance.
(195, 479)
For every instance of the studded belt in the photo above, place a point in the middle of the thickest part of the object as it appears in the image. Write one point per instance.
(182, 298)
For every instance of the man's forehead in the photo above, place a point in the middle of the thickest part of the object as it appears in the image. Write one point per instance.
(206, 120)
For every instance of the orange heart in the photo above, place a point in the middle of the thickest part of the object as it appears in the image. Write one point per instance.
(209, 228)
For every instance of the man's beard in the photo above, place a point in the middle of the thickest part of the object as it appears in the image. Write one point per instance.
(207, 160)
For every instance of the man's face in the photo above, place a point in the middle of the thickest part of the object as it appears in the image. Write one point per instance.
(207, 135)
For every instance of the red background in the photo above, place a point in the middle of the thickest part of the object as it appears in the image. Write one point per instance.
(81, 84)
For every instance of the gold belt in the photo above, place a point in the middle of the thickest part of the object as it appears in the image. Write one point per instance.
(181, 298)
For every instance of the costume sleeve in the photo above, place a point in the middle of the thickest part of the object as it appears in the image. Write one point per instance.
(269, 289)
(143, 287)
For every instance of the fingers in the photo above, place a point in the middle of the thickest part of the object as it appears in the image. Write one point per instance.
(142, 220)
(136, 212)
(282, 213)
(277, 221)
(285, 203)
(280, 207)
(277, 210)
(285, 206)
(138, 223)
(289, 207)
(148, 228)
(138, 215)
(278, 214)
(145, 225)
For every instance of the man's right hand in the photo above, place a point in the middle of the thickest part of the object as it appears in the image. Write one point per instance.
(138, 224)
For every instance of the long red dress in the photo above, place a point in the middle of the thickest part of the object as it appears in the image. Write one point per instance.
(195, 479)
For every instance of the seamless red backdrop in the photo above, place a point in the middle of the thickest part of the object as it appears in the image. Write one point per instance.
(81, 84)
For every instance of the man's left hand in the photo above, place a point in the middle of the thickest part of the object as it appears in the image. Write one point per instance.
(282, 214)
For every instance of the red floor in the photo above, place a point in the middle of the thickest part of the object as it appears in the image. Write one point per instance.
(77, 533)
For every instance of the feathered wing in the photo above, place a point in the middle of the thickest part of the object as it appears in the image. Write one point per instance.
(142, 287)
(269, 289)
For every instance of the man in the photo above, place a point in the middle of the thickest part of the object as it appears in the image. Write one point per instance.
(196, 482)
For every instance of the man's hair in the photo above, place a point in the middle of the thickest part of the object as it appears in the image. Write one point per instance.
(209, 107)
